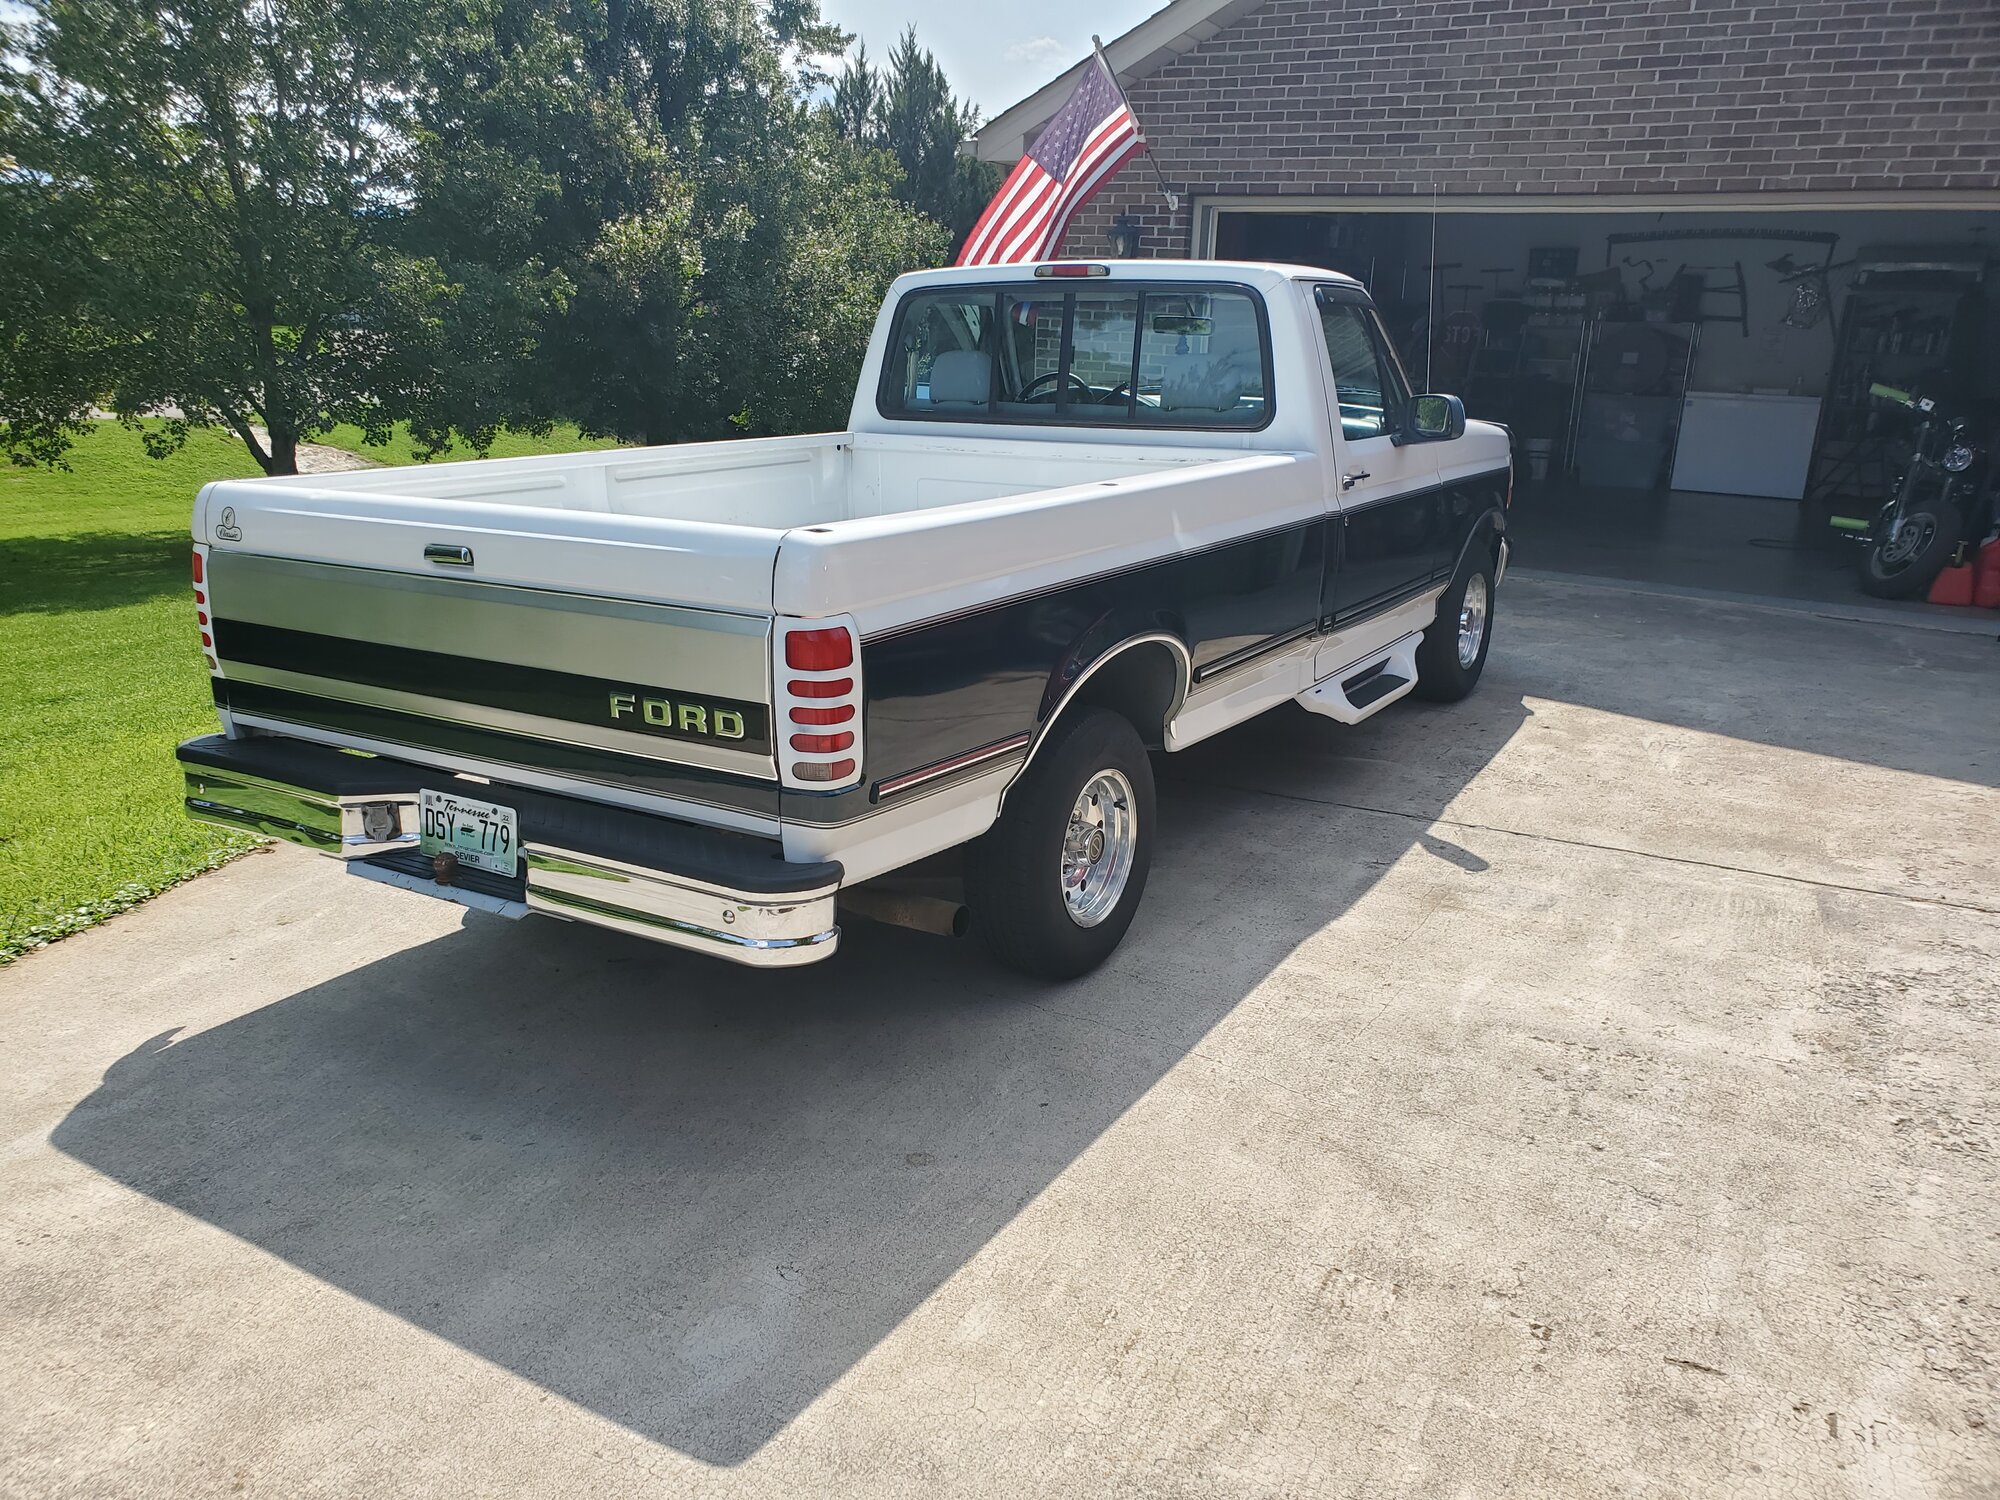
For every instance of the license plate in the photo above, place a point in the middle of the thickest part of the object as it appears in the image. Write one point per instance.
(482, 834)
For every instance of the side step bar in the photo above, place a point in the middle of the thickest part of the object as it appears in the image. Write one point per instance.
(1368, 687)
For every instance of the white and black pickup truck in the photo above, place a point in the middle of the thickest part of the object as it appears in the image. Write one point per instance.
(715, 694)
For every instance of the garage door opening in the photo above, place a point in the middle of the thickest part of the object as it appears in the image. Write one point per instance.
(1689, 392)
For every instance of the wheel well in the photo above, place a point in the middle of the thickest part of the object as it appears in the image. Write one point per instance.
(1142, 682)
(1486, 532)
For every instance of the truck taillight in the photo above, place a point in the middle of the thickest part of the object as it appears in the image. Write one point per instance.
(837, 687)
(824, 708)
(201, 607)
(819, 650)
(838, 715)
(836, 770)
(822, 744)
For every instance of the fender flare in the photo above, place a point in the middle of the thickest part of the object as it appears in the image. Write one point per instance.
(1491, 521)
(1184, 674)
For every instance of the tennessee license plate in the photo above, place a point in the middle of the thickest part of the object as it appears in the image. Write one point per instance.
(482, 834)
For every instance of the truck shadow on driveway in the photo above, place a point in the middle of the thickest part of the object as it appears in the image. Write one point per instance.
(689, 1197)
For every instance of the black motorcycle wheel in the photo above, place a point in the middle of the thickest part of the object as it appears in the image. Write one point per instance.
(1905, 564)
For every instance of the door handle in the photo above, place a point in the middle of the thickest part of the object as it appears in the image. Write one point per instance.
(444, 552)
(1350, 480)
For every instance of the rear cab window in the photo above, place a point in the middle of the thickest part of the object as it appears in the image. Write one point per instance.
(1173, 355)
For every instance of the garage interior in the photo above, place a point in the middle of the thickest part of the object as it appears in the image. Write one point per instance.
(1688, 391)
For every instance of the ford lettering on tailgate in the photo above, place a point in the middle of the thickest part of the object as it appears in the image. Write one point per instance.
(683, 716)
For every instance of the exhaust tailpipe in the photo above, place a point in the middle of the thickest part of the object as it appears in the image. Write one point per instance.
(932, 914)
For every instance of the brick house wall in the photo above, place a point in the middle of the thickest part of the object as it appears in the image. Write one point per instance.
(1361, 98)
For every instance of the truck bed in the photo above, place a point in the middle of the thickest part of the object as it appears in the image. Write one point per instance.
(696, 525)
(765, 484)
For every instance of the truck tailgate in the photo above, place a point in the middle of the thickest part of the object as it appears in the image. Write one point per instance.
(626, 651)
(700, 564)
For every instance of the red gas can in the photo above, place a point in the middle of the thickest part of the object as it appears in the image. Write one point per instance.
(1986, 582)
(1953, 586)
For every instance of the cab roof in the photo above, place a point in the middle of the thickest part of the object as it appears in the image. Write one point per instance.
(1263, 274)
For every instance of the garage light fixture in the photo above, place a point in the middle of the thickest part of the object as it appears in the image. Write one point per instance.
(1126, 236)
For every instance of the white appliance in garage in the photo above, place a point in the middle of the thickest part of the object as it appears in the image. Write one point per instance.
(1733, 443)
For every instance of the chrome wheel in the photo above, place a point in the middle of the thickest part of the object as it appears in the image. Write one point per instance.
(1472, 620)
(1098, 847)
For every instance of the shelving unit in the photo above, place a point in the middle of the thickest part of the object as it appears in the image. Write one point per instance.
(1905, 328)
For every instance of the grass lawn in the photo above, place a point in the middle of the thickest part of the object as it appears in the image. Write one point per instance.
(562, 439)
(101, 674)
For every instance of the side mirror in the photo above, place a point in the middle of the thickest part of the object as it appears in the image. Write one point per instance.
(1434, 419)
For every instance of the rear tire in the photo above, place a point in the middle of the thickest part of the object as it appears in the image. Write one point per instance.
(1053, 885)
(1453, 653)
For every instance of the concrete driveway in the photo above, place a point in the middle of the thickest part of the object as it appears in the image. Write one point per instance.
(1588, 1089)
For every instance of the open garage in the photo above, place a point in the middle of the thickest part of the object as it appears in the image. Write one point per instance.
(1690, 391)
(1677, 254)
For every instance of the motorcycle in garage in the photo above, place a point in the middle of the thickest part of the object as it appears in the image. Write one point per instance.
(1943, 500)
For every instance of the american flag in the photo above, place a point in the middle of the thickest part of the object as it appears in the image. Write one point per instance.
(1090, 137)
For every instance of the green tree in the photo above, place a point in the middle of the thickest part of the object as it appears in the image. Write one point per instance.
(281, 215)
(907, 109)
(856, 104)
(210, 191)
(848, 239)
(704, 235)
(51, 357)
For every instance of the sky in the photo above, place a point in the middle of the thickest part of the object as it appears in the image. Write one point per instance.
(994, 54)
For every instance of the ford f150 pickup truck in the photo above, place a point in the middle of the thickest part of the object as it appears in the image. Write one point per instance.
(713, 694)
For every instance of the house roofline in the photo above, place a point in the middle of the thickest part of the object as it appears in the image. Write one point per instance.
(1154, 42)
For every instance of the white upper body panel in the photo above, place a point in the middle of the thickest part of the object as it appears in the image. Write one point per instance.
(890, 521)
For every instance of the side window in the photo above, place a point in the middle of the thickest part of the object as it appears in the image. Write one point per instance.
(1392, 363)
(1366, 383)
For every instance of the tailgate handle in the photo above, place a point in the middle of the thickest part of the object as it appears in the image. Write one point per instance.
(446, 553)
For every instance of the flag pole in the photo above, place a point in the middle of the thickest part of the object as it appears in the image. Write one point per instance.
(1173, 198)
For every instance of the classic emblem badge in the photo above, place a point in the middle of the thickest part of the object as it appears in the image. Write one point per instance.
(680, 716)
(226, 529)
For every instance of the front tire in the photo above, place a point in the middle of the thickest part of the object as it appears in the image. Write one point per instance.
(1453, 653)
(1053, 885)
(1905, 565)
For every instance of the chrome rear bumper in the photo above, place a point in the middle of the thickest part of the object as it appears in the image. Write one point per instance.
(755, 930)
(693, 888)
